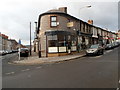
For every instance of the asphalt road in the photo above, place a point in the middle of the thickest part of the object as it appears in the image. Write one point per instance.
(86, 72)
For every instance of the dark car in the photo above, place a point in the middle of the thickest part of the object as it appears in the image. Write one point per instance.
(95, 50)
(24, 52)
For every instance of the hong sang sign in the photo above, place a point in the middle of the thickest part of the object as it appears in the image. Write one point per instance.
(70, 24)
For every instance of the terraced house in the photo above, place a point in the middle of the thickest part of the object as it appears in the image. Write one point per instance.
(0, 42)
(60, 34)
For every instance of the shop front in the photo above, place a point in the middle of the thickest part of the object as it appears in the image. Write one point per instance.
(60, 43)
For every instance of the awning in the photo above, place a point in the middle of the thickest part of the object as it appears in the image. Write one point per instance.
(57, 32)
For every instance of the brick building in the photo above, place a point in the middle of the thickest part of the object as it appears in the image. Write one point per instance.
(4, 41)
(60, 33)
(8, 44)
(118, 34)
(0, 41)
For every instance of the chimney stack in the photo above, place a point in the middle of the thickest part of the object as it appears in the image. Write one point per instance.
(90, 22)
(63, 9)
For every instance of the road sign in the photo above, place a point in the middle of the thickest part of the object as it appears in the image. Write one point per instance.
(19, 48)
(19, 41)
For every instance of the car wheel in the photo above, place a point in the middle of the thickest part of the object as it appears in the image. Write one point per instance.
(98, 53)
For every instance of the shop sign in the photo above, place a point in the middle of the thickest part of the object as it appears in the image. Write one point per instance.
(70, 24)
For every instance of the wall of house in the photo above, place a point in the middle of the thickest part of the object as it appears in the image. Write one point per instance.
(62, 26)
(78, 25)
(0, 42)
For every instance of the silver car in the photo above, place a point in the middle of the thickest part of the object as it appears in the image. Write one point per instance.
(95, 50)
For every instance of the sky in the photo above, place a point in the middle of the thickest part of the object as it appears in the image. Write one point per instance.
(16, 15)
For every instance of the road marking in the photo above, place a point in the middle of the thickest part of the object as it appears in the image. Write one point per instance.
(9, 73)
(119, 81)
(29, 76)
(109, 51)
(25, 70)
(38, 67)
(117, 89)
(9, 63)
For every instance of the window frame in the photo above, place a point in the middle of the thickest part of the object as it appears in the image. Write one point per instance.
(53, 21)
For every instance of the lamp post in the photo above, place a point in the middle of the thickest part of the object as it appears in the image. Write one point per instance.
(88, 6)
(37, 40)
(30, 39)
(35, 29)
(79, 33)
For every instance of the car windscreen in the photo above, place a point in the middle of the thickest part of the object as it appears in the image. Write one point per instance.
(94, 46)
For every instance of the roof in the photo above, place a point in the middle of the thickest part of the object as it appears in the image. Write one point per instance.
(56, 12)
(62, 13)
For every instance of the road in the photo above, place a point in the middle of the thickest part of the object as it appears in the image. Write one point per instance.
(86, 72)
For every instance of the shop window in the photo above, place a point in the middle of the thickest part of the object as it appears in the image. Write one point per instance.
(52, 44)
(62, 40)
(52, 41)
(62, 43)
(52, 37)
(53, 21)
(74, 40)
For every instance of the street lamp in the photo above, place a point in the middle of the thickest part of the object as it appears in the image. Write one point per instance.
(88, 6)
(30, 40)
(35, 29)
(38, 40)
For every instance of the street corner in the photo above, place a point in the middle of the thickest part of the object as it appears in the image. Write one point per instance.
(27, 62)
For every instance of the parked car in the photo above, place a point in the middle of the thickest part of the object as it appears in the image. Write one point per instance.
(14, 51)
(95, 50)
(9, 51)
(116, 44)
(24, 52)
(109, 46)
(2, 52)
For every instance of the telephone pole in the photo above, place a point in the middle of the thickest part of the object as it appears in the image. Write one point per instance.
(30, 39)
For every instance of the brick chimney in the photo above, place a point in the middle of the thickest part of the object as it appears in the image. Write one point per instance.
(90, 22)
(63, 9)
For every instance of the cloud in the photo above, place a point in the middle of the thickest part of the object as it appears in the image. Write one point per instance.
(16, 15)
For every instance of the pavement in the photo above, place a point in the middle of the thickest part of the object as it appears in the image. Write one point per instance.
(33, 60)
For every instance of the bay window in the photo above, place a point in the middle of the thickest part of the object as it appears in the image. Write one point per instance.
(52, 44)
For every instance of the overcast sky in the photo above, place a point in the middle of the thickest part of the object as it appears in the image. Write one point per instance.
(15, 15)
